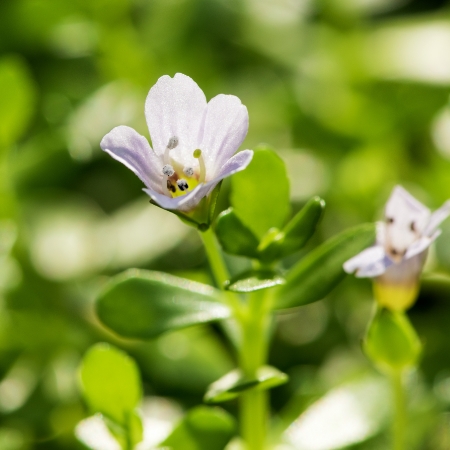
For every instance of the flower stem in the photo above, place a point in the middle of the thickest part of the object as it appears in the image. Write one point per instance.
(218, 267)
(254, 321)
(399, 423)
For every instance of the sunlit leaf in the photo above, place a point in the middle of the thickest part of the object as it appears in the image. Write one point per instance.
(260, 193)
(254, 280)
(295, 234)
(111, 384)
(234, 382)
(203, 428)
(234, 237)
(321, 270)
(143, 304)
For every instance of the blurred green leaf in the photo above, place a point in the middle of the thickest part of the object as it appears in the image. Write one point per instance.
(234, 237)
(203, 428)
(321, 270)
(260, 193)
(254, 280)
(143, 304)
(234, 382)
(17, 94)
(295, 234)
(111, 385)
(391, 341)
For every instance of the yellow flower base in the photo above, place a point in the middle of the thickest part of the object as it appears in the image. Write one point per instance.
(395, 297)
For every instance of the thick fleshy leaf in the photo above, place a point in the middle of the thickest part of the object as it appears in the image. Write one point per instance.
(254, 280)
(143, 304)
(224, 129)
(295, 234)
(260, 194)
(391, 341)
(321, 270)
(203, 428)
(175, 107)
(18, 97)
(110, 383)
(234, 237)
(234, 382)
(133, 150)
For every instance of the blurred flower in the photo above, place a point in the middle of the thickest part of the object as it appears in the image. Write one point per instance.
(396, 260)
(193, 143)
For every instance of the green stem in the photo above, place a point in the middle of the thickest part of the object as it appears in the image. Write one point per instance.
(399, 424)
(254, 320)
(218, 267)
(253, 355)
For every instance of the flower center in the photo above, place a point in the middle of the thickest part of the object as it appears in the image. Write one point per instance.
(178, 180)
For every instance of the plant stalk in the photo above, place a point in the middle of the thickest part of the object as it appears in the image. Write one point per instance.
(254, 321)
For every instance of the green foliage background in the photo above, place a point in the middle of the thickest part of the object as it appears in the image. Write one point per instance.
(353, 94)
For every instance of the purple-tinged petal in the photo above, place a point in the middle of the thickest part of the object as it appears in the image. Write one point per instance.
(421, 244)
(370, 262)
(133, 150)
(175, 107)
(235, 164)
(437, 218)
(225, 127)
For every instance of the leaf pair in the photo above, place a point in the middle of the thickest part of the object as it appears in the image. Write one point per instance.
(143, 304)
(255, 226)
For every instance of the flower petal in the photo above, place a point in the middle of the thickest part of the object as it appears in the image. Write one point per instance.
(133, 150)
(175, 107)
(437, 218)
(371, 262)
(225, 127)
(421, 244)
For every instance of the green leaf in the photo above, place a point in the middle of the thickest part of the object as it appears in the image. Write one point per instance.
(203, 428)
(260, 193)
(143, 304)
(234, 382)
(234, 237)
(295, 234)
(321, 270)
(17, 95)
(391, 341)
(254, 280)
(111, 384)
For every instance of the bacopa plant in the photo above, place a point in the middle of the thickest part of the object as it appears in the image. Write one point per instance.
(194, 149)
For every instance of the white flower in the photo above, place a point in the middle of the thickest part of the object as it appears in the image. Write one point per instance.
(402, 240)
(193, 143)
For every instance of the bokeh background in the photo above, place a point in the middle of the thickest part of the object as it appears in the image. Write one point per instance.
(353, 94)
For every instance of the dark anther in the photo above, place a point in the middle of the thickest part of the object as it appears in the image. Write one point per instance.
(389, 220)
(182, 184)
(171, 187)
(413, 227)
